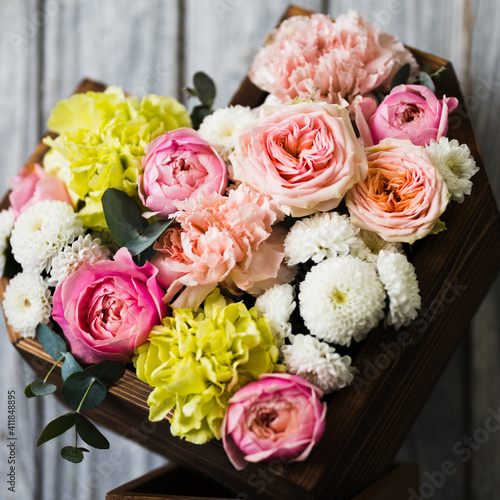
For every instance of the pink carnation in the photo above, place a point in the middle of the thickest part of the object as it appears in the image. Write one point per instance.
(332, 61)
(220, 239)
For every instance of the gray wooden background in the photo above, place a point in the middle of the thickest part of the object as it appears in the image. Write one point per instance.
(47, 46)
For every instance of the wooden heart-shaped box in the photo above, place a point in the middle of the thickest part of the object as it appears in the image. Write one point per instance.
(367, 422)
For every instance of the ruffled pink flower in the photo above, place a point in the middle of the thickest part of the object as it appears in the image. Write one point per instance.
(178, 165)
(220, 239)
(410, 112)
(279, 417)
(32, 186)
(329, 60)
(107, 309)
(305, 156)
(403, 195)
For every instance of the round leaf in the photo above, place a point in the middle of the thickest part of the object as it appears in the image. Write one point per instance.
(401, 77)
(90, 433)
(426, 80)
(107, 372)
(69, 366)
(205, 88)
(41, 388)
(52, 343)
(72, 454)
(28, 392)
(75, 389)
(57, 427)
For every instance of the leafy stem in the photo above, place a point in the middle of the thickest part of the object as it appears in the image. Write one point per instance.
(85, 395)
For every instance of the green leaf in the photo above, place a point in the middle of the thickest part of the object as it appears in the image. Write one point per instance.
(401, 77)
(143, 241)
(52, 343)
(90, 433)
(426, 80)
(57, 427)
(40, 388)
(69, 366)
(72, 454)
(107, 372)
(79, 385)
(28, 392)
(205, 88)
(198, 115)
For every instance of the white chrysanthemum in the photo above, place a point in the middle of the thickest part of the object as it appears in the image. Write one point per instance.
(221, 128)
(400, 281)
(41, 232)
(84, 250)
(277, 305)
(374, 244)
(342, 299)
(323, 235)
(7, 218)
(318, 362)
(456, 165)
(27, 302)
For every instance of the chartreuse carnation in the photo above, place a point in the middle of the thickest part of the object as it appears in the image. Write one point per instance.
(197, 360)
(102, 136)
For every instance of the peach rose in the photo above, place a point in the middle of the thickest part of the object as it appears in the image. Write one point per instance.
(305, 156)
(403, 195)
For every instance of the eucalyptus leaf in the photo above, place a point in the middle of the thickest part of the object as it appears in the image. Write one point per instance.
(107, 372)
(28, 392)
(57, 427)
(52, 343)
(72, 454)
(90, 433)
(401, 77)
(41, 388)
(205, 88)
(69, 366)
(151, 233)
(426, 80)
(80, 385)
(199, 113)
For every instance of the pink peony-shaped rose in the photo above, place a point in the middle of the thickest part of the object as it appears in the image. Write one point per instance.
(305, 156)
(32, 186)
(220, 239)
(403, 195)
(335, 61)
(409, 112)
(279, 417)
(107, 309)
(179, 165)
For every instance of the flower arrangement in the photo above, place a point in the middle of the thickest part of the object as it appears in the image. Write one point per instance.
(233, 266)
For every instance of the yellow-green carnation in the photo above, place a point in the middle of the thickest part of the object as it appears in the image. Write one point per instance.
(197, 360)
(102, 136)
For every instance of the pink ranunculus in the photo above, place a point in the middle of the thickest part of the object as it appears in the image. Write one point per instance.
(403, 195)
(220, 239)
(179, 165)
(412, 112)
(305, 156)
(279, 417)
(107, 309)
(32, 186)
(335, 61)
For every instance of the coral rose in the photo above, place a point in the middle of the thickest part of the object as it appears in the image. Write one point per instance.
(403, 195)
(279, 417)
(107, 309)
(305, 156)
(179, 165)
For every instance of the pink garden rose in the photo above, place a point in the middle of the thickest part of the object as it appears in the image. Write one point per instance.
(305, 156)
(409, 112)
(178, 165)
(403, 195)
(107, 309)
(32, 186)
(279, 417)
(335, 61)
(220, 239)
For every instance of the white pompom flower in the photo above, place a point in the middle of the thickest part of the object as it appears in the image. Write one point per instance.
(27, 302)
(84, 250)
(41, 232)
(400, 281)
(7, 219)
(321, 236)
(456, 164)
(374, 244)
(277, 305)
(318, 362)
(221, 128)
(341, 299)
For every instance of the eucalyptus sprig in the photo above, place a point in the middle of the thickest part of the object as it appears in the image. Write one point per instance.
(204, 89)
